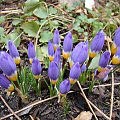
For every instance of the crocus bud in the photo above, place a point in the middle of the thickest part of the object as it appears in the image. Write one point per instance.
(14, 52)
(79, 53)
(5, 83)
(74, 73)
(56, 39)
(36, 68)
(31, 52)
(104, 59)
(50, 51)
(67, 45)
(53, 72)
(8, 66)
(97, 44)
(57, 56)
(116, 41)
(64, 87)
(116, 57)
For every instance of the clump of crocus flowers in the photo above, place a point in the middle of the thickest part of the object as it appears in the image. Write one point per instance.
(77, 59)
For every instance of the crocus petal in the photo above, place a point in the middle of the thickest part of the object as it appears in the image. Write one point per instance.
(7, 64)
(113, 49)
(116, 38)
(31, 52)
(97, 43)
(13, 52)
(36, 68)
(67, 45)
(57, 56)
(104, 59)
(101, 75)
(83, 67)
(56, 39)
(53, 71)
(50, 51)
(75, 71)
(64, 87)
(116, 57)
(5, 83)
(80, 53)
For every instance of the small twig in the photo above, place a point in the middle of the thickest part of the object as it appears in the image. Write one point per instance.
(112, 95)
(10, 108)
(106, 85)
(87, 100)
(11, 11)
(31, 117)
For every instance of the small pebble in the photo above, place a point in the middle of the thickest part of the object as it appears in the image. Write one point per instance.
(2, 106)
(11, 118)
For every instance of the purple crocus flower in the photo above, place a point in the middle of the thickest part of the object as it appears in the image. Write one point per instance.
(97, 44)
(117, 37)
(8, 66)
(64, 87)
(56, 39)
(83, 67)
(14, 52)
(50, 51)
(36, 68)
(104, 59)
(53, 72)
(67, 45)
(103, 74)
(31, 52)
(5, 83)
(116, 57)
(74, 73)
(79, 53)
(57, 56)
(116, 41)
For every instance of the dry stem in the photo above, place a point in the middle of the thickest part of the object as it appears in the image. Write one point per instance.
(87, 100)
(112, 95)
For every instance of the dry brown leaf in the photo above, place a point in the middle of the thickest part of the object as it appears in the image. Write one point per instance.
(84, 116)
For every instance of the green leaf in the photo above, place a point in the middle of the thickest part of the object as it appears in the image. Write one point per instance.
(52, 10)
(31, 28)
(83, 18)
(1, 31)
(54, 24)
(76, 24)
(39, 53)
(2, 19)
(91, 20)
(44, 50)
(46, 36)
(17, 21)
(30, 5)
(94, 62)
(41, 12)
